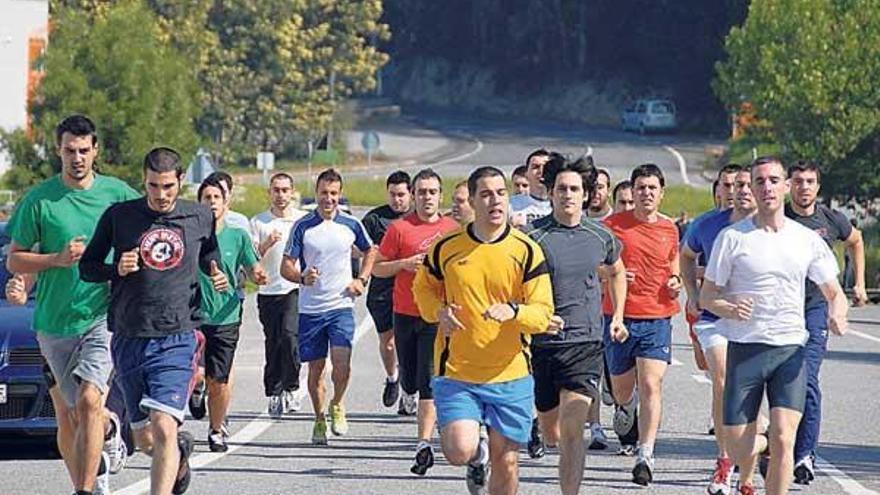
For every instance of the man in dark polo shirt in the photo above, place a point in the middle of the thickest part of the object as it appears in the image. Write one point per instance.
(568, 363)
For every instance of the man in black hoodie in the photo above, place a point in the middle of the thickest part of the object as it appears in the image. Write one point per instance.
(159, 243)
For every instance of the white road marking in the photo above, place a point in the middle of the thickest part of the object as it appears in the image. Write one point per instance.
(701, 378)
(849, 485)
(682, 165)
(477, 149)
(864, 335)
(241, 438)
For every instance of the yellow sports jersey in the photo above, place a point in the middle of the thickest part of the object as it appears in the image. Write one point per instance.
(460, 269)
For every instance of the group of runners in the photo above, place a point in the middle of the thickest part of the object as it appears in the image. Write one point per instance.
(505, 323)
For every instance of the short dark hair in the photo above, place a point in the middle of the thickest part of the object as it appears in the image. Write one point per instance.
(520, 171)
(398, 177)
(620, 186)
(281, 175)
(482, 173)
(222, 177)
(715, 187)
(647, 170)
(162, 160)
(77, 125)
(730, 168)
(329, 175)
(537, 152)
(805, 166)
(426, 173)
(600, 171)
(558, 164)
(212, 180)
(764, 160)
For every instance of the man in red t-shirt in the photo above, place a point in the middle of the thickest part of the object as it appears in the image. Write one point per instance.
(650, 254)
(402, 250)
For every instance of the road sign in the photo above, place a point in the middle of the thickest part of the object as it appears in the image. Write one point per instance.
(265, 162)
(199, 168)
(370, 141)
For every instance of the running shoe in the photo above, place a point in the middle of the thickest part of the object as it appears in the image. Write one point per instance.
(319, 432)
(536, 446)
(185, 442)
(764, 457)
(721, 479)
(804, 471)
(424, 459)
(746, 490)
(114, 445)
(409, 405)
(391, 392)
(626, 423)
(598, 440)
(102, 481)
(276, 406)
(217, 441)
(291, 401)
(338, 423)
(197, 404)
(478, 473)
(627, 450)
(643, 472)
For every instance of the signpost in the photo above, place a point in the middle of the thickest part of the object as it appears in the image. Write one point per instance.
(265, 162)
(371, 143)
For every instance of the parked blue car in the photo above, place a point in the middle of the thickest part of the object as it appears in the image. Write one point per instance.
(25, 405)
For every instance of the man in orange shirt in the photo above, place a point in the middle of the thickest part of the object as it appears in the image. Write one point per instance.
(650, 254)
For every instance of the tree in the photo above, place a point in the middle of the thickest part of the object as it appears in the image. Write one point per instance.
(810, 69)
(109, 61)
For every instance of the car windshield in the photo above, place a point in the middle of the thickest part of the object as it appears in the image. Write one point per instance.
(662, 107)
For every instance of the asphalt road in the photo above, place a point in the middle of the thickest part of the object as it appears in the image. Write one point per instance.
(275, 457)
(455, 144)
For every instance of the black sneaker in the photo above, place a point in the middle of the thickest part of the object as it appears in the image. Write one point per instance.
(643, 471)
(424, 459)
(185, 443)
(477, 475)
(804, 472)
(391, 392)
(217, 441)
(536, 442)
(197, 403)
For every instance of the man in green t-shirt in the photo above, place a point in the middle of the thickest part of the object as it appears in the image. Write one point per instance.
(49, 230)
(222, 309)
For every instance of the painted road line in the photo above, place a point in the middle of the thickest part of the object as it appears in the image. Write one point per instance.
(477, 149)
(864, 335)
(242, 437)
(849, 485)
(682, 165)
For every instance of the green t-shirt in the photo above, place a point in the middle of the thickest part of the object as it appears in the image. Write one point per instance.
(236, 251)
(45, 220)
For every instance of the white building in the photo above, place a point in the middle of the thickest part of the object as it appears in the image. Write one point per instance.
(20, 20)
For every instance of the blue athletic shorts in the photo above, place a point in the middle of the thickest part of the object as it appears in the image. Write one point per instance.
(649, 339)
(154, 374)
(505, 407)
(319, 332)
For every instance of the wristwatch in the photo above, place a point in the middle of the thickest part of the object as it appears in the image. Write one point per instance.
(364, 279)
(515, 307)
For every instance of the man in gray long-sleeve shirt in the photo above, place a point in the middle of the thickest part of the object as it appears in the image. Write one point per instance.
(159, 243)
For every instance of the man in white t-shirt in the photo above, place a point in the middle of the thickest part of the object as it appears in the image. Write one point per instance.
(525, 208)
(318, 256)
(755, 282)
(277, 300)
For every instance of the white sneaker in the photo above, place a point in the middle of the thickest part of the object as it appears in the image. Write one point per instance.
(276, 406)
(598, 440)
(292, 400)
(114, 447)
(102, 482)
(409, 404)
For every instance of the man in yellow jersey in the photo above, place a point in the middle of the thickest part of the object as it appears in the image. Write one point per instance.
(487, 287)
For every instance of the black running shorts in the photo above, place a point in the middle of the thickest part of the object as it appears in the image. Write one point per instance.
(751, 368)
(414, 341)
(381, 312)
(576, 367)
(220, 344)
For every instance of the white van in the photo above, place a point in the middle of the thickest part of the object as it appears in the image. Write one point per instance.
(647, 115)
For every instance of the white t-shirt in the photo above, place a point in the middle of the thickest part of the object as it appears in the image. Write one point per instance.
(236, 220)
(326, 245)
(771, 268)
(529, 207)
(261, 227)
